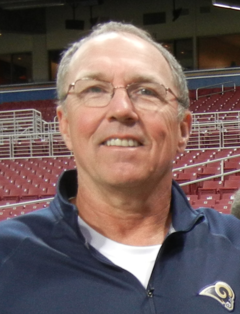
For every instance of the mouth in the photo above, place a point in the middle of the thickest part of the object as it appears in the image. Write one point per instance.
(122, 142)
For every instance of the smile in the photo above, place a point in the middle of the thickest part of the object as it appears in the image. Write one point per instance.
(124, 142)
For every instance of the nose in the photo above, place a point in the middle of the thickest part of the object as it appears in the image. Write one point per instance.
(121, 108)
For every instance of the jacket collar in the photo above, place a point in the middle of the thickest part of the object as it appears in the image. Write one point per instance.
(66, 189)
(183, 216)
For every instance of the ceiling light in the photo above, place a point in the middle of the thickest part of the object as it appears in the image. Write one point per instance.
(232, 4)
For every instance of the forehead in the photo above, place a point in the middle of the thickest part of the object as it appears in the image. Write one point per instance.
(116, 53)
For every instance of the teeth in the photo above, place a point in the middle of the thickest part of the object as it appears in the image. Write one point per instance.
(119, 142)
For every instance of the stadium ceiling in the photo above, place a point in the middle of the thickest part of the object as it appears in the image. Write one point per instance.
(28, 4)
(31, 4)
(29, 16)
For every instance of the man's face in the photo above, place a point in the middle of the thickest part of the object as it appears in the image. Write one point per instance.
(102, 138)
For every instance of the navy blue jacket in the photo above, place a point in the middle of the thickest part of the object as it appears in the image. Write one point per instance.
(47, 268)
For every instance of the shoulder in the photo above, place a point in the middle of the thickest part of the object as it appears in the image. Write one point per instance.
(222, 224)
(14, 231)
(26, 223)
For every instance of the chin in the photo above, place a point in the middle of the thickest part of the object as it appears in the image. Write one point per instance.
(123, 182)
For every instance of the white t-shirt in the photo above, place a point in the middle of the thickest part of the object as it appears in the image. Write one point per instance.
(138, 260)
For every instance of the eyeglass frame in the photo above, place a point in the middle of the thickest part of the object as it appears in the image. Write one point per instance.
(72, 85)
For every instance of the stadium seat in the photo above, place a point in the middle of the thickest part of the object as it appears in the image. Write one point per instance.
(231, 165)
(186, 177)
(11, 194)
(210, 187)
(215, 197)
(204, 203)
(229, 187)
(209, 171)
(192, 198)
(227, 196)
(4, 214)
(225, 209)
(31, 194)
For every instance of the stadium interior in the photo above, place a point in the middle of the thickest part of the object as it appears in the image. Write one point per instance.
(32, 152)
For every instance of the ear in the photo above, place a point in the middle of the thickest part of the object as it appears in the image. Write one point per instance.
(184, 131)
(64, 126)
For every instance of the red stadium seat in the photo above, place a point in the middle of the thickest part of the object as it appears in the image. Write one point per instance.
(231, 165)
(31, 194)
(210, 187)
(11, 194)
(215, 197)
(204, 203)
(223, 208)
(229, 187)
(209, 171)
(186, 177)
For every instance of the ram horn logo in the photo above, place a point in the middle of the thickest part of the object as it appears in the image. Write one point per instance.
(221, 292)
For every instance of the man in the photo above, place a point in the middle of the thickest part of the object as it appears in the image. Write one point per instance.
(120, 236)
(235, 209)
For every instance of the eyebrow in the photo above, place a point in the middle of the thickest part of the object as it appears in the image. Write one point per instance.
(138, 78)
(93, 76)
(144, 78)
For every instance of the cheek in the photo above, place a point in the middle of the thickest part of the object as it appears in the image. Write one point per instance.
(165, 128)
(83, 124)
(165, 135)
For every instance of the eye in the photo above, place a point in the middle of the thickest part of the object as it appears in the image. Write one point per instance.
(95, 89)
(89, 87)
(145, 91)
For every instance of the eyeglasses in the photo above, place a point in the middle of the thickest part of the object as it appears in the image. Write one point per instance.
(97, 93)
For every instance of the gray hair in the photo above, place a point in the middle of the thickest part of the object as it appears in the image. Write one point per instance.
(179, 79)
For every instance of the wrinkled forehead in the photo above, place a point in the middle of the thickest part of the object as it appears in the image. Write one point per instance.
(118, 47)
(107, 39)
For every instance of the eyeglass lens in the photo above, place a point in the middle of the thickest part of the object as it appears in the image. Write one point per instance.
(94, 93)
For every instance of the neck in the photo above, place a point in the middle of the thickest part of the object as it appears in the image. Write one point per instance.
(130, 219)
